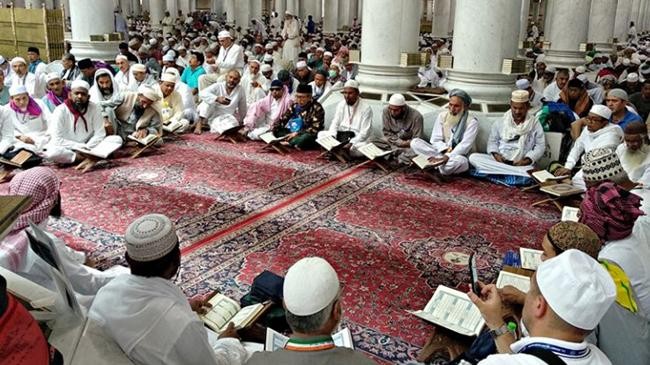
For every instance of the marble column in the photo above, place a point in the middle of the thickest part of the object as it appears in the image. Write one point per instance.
(634, 14)
(127, 10)
(643, 14)
(429, 10)
(137, 7)
(229, 8)
(184, 6)
(243, 13)
(601, 24)
(548, 10)
(331, 16)
(256, 9)
(360, 11)
(172, 7)
(452, 16)
(280, 7)
(101, 13)
(483, 38)
(441, 13)
(523, 20)
(344, 14)
(156, 12)
(566, 33)
(318, 10)
(292, 6)
(622, 20)
(146, 6)
(382, 42)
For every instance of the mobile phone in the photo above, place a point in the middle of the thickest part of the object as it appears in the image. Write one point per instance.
(476, 288)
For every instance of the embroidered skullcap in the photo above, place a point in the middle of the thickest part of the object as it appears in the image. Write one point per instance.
(149, 93)
(138, 67)
(150, 237)
(601, 111)
(397, 100)
(266, 68)
(577, 288)
(224, 34)
(301, 64)
(17, 60)
(168, 77)
(52, 76)
(618, 93)
(354, 84)
(323, 288)
(268, 46)
(602, 164)
(17, 90)
(267, 58)
(519, 96)
(581, 69)
(80, 84)
(632, 77)
(568, 235)
(462, 95)
(522, 84)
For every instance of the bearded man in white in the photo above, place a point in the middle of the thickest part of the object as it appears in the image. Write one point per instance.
(516, 142)
(254, 83)
(291, 35)
(635, 153)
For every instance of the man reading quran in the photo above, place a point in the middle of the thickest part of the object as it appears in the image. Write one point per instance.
(302, 122)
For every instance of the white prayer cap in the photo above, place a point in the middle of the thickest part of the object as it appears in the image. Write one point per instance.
(301, 65)
(625, 61)
(583, 78)
(2, 60)
(150, 237)
(287, 12)
(138, 67)
(274, 44)
(248, 53)
(257, 45)
(17, 90)
(635, 60)
(149, 93)
(182, 48)
(121, 57)
(321, 49)
(601, 111)
(224, 34)
(52, 76)
(80, 84)
(581, 69)
(173, 71)
(268, 46)
(519, 96)
(397, 100)
(550, 69)
(632, 77)
(16, 60)
(168, 58)
(310, 285)
(351, 83)
(522, 84)
(168, 77)
(268, 58)
(328, 54)
(577, 288)
(618, 93)
(641, 57)
(153, 41)
(254, 61)
(266, 68)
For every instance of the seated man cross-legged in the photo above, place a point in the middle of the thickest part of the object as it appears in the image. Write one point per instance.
(304, 119)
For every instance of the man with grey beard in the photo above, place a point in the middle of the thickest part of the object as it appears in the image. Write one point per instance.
(635, 153)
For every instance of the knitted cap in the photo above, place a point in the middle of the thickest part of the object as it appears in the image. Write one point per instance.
(150, 237)
(601, 164)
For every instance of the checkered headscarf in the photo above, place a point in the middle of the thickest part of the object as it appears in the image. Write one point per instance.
(42, 185)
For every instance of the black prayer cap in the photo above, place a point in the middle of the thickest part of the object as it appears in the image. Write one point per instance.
(576, 83)
(85, 63)
(304, 89)
(34, 49)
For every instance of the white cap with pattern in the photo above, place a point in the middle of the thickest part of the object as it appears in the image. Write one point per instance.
(150, 237)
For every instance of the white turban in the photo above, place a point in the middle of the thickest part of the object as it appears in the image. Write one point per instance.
(17, 90)
(138, 67)
(80, 84)
(16, 60)
(149, 93)
(168, 77)
(52, 76)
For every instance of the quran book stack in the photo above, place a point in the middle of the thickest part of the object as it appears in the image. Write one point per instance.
(513, 66)
(586, 47)
(328, 142)
(453, 310)
(445, 61)
(372, 152)
(18, 160)
(225, 310)
(102, 150)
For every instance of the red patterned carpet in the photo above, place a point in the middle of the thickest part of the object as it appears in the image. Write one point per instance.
(239, 211)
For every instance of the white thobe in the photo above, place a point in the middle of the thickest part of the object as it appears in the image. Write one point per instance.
(352, 118)
(32, 127)
(151, 320)
(6, 131)
(610, 135)
(319, 92)
(439, 145)
(571, 353)
(291, 32)
(230, 59)
(254, 94)
(31, 82)
(220, 116)
(123, 79)
(638, 171)
(189, 106)
(552, 92)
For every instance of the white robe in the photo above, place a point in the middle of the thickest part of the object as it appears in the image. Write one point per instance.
(151, 320)
(610, 135)
(32, 127)
(123, 79)
(6, 131)
(230, 59)
(356, 118)
(638, 171)
(32, 83)
(291, 46)
(254, 94)
(220, 116)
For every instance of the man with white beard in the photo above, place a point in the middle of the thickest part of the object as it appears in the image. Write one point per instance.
(635, 153)
(254, 83)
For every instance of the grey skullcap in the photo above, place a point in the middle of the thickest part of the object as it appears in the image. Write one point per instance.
(150, 237)
(618, 93)
(461, 94)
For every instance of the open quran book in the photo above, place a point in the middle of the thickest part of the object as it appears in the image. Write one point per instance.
(269, 138)
(543, 176)
(147, 140)
(275, 340)
(423, 162)
(172, 126)
(570, 214)
(518, 281)
(225, 310)
(18, 160)
(328, 142)
(104, 149)
(453, 310)
(372, 152)
(530, 258)
(561, 190)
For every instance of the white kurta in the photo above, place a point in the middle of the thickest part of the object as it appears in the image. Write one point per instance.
(291, 32)
(230, 59)
(151, 320)
(32, 127)
(254, 94)
(552, 92)
(6, 131)
(638, 170)
(123, 79)
(356, 118)
(438, 145)
(31, 82)
(220, 116)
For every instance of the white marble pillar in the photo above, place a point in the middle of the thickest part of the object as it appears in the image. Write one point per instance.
(360, 11)
(548, 10)
(384, 39)
(429, 10)
(229, 9)
(280, 7)
(256, 9)
(331, 16)
(318, 10)
(566, 33)
(243, 13)
(146, 6)
(483, 38)
(101, 13)
(441, 13)
(643, 14)
(601, 24)
(344, 14)
(172, 7)
(126, 6)
(452, 16)
(184, 6)
(622, 21)
(136, 6)
(156, 12)
(354, 9)
(308, 7)
(292, 6)
(634, 14)
(523, 20)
